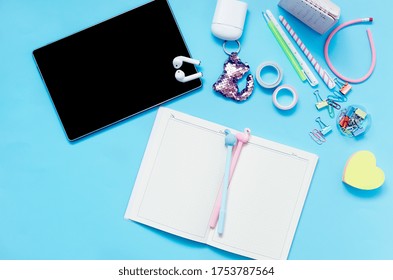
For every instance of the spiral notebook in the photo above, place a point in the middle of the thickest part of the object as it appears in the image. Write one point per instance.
(181, 175)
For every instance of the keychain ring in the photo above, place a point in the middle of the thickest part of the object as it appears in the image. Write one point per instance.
(225, 48)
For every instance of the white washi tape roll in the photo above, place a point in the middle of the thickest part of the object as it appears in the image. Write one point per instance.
(294, 97)
(277, 69)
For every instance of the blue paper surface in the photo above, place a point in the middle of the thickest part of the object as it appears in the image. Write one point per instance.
(60, 200)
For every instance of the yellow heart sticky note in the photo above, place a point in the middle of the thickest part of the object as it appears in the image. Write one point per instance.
(362, 172)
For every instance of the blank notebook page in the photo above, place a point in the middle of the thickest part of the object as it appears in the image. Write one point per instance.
(262, 198)
(184, 180)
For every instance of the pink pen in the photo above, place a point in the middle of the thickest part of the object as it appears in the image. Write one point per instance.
(242, 138)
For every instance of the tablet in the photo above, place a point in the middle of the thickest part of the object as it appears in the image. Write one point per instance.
(115, 69)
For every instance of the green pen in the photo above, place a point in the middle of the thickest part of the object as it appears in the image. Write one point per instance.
(285, 48)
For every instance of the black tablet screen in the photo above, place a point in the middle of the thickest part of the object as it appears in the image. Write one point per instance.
(115, 69)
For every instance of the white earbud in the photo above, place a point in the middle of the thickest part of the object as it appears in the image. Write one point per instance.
(181, 77)
(178, 61)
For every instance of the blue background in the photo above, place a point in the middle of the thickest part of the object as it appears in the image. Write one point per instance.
(62, 200)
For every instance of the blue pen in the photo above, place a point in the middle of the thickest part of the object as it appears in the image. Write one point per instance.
(230, 141)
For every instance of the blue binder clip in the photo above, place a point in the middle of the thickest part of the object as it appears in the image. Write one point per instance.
(325, 129)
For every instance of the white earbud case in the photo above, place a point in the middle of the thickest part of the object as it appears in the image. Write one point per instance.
(228, 20)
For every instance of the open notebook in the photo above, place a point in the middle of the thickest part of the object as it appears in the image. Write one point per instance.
(181, 175)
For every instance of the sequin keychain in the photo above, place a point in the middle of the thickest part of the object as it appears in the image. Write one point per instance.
(233, 70)
(227, 25)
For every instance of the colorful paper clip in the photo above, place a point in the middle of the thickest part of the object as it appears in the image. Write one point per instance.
(331, 112)
(353, 121)
(337, 96)
(344, 86)
(317, 136)
(332, 100)
(333, 103)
